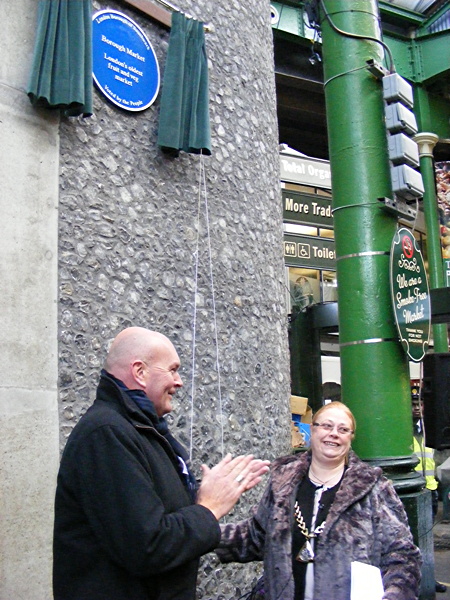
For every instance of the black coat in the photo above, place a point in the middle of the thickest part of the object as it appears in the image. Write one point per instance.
(125, 525)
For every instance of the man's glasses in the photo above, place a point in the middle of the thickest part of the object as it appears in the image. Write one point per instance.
(330, 426)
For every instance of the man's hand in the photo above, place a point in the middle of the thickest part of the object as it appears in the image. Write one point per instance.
(223, 485)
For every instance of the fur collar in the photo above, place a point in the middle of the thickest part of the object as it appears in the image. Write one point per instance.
(359, 479)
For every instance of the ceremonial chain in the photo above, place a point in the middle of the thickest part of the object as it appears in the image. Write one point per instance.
(306, 553)
(302, 526)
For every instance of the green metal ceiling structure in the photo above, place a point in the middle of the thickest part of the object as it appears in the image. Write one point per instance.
(420, 6)
(417, 32)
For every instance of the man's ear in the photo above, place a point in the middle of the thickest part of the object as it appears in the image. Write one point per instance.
(138, 372)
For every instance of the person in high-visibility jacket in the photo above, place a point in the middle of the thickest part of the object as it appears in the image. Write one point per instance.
(426, 464)
(427, 467)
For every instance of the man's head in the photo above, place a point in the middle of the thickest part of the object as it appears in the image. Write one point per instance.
(417, 407)
(146, 360)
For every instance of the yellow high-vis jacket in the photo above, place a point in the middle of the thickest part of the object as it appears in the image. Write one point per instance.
(426, 465)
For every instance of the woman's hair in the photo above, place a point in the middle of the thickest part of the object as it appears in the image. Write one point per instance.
(336, 404)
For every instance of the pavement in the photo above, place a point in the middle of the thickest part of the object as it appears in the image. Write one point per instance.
(441, 532)
(441, 535)
(442, 571)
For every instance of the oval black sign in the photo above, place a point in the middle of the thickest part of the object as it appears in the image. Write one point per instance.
(410, 294)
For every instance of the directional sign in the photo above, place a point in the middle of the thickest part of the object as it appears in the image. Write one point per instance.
(312, 252)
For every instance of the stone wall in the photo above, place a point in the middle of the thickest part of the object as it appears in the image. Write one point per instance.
(128, 240)
(29, 151)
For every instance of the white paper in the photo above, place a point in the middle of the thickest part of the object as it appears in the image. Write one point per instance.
(366, 582)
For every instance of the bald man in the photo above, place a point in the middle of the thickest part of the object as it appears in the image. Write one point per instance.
(129, 521)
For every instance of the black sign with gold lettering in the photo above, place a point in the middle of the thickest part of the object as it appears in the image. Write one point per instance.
(410, 294)
(312, 252)
(307, 209)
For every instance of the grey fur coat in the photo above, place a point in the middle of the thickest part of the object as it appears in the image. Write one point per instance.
(366, 523)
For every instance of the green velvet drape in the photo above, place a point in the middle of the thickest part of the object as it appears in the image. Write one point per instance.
(184, 113)
(61, 74)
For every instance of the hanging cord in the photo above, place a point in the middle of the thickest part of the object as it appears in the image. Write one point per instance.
(194, 324)
(202, 187)
(361, 37)
(213, 297)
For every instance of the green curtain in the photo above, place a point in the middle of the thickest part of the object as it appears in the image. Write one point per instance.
(184, 113)
(61, 74)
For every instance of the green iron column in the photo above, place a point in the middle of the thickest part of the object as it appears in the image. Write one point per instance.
(426, 142)
(374, 368)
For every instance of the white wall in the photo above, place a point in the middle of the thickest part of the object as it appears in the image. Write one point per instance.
(29, 453)
(331, 369)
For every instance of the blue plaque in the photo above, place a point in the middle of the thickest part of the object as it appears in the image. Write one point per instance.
(125, 67)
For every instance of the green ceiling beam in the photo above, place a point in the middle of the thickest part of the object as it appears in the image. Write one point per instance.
(402, 14)
(435, 16)
(419, 60)
(291, 20)
(431, 56)
(432, 113)
(422, 61)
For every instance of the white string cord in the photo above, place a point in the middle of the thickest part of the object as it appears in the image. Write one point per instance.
(194, 320)
(214, 307)
(202, 184)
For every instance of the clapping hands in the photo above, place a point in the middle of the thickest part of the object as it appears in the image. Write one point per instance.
(223, 485)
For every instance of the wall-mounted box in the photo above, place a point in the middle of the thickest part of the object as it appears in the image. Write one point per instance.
(400, 119)
(407, 183)
(403, 150)
(397, 89)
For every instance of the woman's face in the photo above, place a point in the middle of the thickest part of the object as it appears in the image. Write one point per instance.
(331, 446)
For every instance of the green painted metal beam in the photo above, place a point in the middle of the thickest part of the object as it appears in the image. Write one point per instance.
(430, 56)
(292, 20)
(437, 15)
(420, 60)
(403, 15)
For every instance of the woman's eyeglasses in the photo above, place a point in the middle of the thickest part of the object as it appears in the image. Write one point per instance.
(330, 426)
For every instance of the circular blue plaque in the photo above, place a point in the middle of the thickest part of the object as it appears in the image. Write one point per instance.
(125, 67)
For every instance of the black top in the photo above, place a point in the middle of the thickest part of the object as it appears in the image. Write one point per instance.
(305, 498)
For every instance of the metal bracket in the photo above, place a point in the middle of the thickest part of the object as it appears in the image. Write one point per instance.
(376, 69)
(399, 208)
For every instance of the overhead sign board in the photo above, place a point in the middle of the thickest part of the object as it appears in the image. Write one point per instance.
(125, 67)
(306, 171)
(410, 294)
(306, 209)
(312, 252)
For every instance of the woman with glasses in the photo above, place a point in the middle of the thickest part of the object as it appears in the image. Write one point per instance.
(322, 510)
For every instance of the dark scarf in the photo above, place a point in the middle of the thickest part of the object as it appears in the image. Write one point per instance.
(160, 424)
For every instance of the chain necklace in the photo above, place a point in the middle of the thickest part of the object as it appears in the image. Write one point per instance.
(306, 553)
